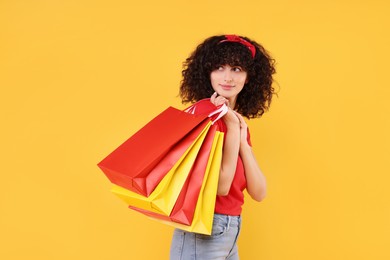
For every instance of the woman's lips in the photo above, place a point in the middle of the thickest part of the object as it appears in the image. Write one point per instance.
(226, 87)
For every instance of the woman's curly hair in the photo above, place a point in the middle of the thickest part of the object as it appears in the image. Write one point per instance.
(255, 98)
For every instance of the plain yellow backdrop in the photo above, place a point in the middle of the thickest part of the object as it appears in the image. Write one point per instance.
(79, 77)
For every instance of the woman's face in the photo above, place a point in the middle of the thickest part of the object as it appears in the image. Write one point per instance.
(228, 81)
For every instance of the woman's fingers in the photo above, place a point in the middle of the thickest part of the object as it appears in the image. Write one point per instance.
(242, 121)
(218, 100)
(213, 97)
(238, 115)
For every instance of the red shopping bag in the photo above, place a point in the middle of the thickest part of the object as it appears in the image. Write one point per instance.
(183, 211)
(138, 164)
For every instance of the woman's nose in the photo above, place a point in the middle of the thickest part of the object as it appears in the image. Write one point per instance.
(228, 76)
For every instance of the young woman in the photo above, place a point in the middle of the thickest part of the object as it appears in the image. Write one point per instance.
(235, 71)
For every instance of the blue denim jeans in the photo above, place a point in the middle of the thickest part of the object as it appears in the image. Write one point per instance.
(221, 244)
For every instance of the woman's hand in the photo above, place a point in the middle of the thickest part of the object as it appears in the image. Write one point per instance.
(218, 100)
(243, 129)
(256, 184)
(230, 119)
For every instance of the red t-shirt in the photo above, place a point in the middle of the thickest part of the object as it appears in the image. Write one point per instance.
(231, 203)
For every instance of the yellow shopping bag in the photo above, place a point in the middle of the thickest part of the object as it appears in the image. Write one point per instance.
(204, 212)
(163, 198)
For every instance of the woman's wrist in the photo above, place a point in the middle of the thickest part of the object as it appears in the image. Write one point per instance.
(232, 125)
(245, 147)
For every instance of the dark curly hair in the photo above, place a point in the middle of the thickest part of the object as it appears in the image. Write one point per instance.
(255, 98)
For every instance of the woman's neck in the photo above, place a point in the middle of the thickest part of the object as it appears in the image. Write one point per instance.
(232, 102)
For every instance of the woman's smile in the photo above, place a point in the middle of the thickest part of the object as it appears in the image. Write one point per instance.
(226, 87)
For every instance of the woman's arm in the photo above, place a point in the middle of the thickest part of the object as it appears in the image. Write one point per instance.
(256, 183)
(230, 153)
(231, 147)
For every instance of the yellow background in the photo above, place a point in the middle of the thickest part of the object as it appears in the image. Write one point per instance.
(79, 77)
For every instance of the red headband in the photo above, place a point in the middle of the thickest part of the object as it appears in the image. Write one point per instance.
(235, 38)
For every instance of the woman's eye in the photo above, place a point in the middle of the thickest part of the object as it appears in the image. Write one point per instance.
(220, 68)
(236, 69)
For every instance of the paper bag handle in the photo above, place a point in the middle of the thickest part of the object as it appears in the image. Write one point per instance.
(221, 110)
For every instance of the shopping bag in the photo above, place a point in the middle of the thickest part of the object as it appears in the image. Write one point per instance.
(131, 168)
(171, 160)
(204, 212)
(164, 196)
(184, 208)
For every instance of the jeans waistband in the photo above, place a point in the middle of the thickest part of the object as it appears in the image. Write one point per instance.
(229, 221)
